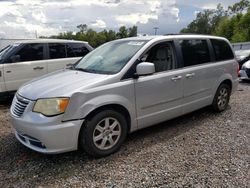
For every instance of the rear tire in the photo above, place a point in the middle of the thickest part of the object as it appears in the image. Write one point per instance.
(104, 133)
(221, 98)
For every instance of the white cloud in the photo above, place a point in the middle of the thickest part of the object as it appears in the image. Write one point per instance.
(23, 18)
(196, 12)
(209, 6)
(99, 24)
(39, 16)
(136, 18)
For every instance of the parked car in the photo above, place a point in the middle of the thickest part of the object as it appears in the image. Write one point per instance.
(25, 60)
(242, 56)
(245, 71)
(123, 86)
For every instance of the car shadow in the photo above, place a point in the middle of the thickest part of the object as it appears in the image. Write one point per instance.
(6, 102)
(244, 82)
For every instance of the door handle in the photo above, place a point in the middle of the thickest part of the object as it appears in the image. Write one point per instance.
(176, 78)
(190, 75)
(8, 71)
(38, 68)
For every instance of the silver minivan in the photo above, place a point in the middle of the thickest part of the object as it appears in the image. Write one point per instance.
(123, 86)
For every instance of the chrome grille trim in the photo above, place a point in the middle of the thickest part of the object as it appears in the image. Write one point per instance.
(19, 106)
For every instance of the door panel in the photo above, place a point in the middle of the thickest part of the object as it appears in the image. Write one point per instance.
(158, 97)
(57, 64)
(16, 74)
(197, 87)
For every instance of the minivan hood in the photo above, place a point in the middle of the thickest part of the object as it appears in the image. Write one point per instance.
(59, 84)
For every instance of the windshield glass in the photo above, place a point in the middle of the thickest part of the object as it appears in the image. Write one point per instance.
(7, 49)
(111, 57)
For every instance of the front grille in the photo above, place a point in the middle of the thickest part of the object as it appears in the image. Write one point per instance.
(19, 106)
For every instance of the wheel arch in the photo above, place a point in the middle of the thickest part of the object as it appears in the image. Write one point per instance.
(117, 107)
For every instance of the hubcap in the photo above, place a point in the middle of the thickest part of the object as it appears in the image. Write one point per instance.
(222, 98)
(107, 133)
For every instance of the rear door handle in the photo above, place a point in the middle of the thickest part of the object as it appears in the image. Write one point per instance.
(38, 68)
(176, 78)
(190, 75)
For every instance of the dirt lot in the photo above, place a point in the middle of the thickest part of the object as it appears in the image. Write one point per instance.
(201, 149)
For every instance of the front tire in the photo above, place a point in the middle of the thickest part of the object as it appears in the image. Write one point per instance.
(221, 98)
(104, 133)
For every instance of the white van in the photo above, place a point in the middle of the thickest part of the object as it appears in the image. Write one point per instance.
(26, 60)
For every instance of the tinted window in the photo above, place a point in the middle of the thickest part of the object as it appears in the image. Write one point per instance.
(222, 50)
(194, 52)
(31, 52)
(162, 56)
(76, 50)
(57, 50)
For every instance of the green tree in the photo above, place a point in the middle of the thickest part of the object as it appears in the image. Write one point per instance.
(242, 29)
(132, 31)
(82, 27)
(206, 21)
(239, 7)
(94, 38)
(123, 32)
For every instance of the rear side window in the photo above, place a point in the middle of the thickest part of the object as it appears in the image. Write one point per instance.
(194, 52)
(31, 52)
(76, 50)
(222, 50)
(57, 50)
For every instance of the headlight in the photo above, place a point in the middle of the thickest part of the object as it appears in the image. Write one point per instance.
(51, 107)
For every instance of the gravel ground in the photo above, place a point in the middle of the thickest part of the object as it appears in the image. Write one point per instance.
(201, 149)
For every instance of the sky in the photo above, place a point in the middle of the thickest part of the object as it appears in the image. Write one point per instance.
(31, 18)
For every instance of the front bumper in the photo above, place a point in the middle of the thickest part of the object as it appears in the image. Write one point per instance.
(47, 138)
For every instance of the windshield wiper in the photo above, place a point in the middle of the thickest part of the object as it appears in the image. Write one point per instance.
(85, 70)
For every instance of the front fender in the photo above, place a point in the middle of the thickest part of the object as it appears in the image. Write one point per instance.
(82, 103)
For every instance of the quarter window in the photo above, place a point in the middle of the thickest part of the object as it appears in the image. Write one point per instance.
(222, 50)
(31, 52)
(76, 50)
(57, 50)
(194, 52)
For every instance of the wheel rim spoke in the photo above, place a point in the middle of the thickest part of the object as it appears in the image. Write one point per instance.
(97, 138)
(106, 123)
(111, 141)
(99, 128)
(115, 133)
(114, 125)
(103, 143)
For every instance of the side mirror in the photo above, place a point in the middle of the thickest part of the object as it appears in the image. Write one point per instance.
(15, 58)
(145, 68)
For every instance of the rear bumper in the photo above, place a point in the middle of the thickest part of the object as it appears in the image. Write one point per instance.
(50, 139)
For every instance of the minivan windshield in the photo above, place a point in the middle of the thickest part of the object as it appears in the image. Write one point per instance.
(111, 57)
